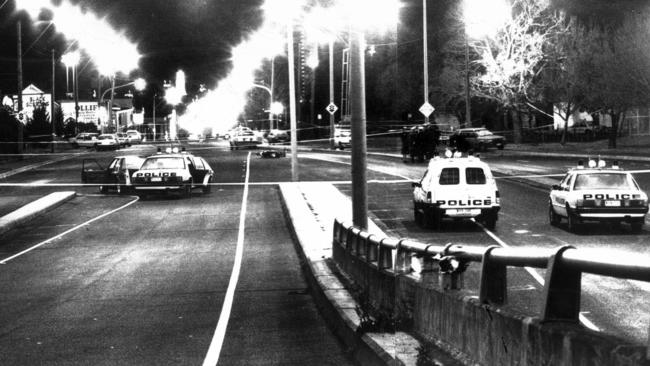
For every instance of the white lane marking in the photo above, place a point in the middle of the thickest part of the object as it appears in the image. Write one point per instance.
(4, 261)
(586, 322)
(212, 357)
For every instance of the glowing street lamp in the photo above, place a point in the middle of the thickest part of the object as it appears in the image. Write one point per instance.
(71, 60)
(482, 19)
(107, 114)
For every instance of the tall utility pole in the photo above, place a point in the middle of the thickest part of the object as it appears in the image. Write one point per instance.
(20, 85)
(110, 107)
(154, 116)
(331, 50)
(292, 105)
(75, 90)
(53, 98)
(468, 110)
(358, 129)
(426, 56)
(99, 102)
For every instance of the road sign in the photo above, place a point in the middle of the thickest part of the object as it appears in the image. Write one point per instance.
(426, 109)
(332, 108)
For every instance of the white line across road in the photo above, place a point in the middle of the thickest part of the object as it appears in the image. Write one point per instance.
(4, 261)
(212, 357)
(583, 319)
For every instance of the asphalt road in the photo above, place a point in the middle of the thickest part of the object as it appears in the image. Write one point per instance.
(147, 284)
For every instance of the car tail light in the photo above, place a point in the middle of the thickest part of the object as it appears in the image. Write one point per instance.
(638, 203)
(429, 197)
(497, 197)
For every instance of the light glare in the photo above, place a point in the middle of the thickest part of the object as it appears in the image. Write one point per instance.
(483, 18)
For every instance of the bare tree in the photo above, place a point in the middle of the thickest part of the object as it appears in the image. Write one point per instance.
(511, 62)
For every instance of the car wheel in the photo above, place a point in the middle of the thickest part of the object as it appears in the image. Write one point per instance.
(434, 220)
(96, 147)
(417, 214)
(572, 222)
(637, 225)
(553, 218)
(207, 188)
(500, 147)
(187, 190)
(490, 221)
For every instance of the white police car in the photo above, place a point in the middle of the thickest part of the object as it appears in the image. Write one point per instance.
(597, 193)
(456, 187)
(173, 171)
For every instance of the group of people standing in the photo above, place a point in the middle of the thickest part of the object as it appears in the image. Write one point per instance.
(419, 142)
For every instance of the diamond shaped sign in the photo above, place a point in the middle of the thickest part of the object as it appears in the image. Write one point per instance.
(332, 108)
(426, 109)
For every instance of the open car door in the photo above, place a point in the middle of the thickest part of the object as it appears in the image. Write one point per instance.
(93, 172)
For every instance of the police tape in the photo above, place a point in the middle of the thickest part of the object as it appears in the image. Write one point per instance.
(224, 184)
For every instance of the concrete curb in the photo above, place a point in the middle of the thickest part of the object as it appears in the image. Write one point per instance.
(33, 209)
(336, 304)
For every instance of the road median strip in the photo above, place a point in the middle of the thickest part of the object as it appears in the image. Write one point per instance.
(33, 209)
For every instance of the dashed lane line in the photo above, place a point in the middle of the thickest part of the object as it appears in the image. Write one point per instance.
(583, 319)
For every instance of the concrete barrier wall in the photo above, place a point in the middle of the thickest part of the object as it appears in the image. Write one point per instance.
(476, 332)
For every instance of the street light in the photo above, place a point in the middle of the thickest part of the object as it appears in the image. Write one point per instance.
(482, 18)
(139, 84)
(71, 60)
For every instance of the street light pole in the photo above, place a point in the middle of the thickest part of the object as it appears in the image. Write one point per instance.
(20, 85)
(468, 110)
(110, 106)
(426, 56)
(154, 117)
(358, 129)
(75, 90)
(53, 98)
(331, 77)
(292, 104)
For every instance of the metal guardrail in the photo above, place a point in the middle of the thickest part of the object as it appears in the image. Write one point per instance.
(564, 266)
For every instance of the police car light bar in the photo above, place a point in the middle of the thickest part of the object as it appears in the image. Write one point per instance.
(615, 165)
(592, 163)
(581, 164)
(601, 163)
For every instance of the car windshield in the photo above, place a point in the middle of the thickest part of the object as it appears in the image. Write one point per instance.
(602, 181)
(106, 137)
(163, 163)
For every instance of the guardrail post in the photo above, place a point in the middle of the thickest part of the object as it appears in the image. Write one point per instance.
(372, 247)
(362, 245)
(561, 290)
(402, 259)
(385, 260)
(429, 271)
(493, 288)
(451, 274)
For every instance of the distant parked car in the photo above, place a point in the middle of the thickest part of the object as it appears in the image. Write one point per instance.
(134, 136)
(84, 139)
(342, 138)
(107, 141)
(243, 137)
(479, 139)
(123, 139)
(278, 136)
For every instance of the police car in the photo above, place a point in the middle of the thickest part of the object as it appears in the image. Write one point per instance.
(597, 193)
(456, 187)
(173, 171)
